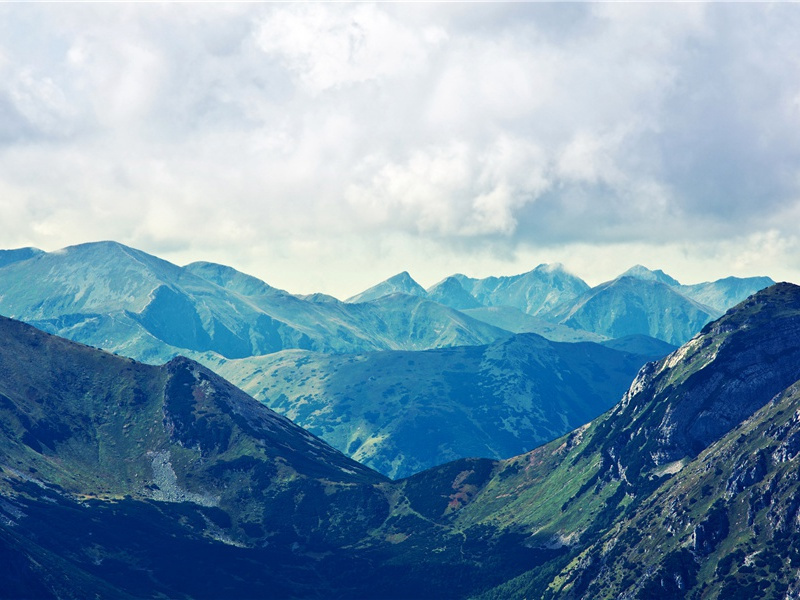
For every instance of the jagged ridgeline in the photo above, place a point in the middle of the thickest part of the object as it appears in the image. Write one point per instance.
(121, 299)
(127, 480)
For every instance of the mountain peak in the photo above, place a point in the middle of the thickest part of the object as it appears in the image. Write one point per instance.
(642, 272)
(229, 278)
(555, 267)
(760, 309)
(402, 277)
(18, 254)
(402, 283)
(99, 246)
(725, 293)
(450, 292)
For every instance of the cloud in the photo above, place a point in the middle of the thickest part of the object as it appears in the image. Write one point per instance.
(489, 131)
(327, 47)
(455, 190)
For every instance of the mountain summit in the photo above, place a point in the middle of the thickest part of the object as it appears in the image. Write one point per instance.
(109, 295)
(402, 283)
(534, 292)
(632, 305)
(451, 293)
(640, 272)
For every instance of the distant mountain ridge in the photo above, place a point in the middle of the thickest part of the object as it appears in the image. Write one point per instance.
(108, 295)
(11, 256)
(451, 293)
(640, 301)
(127, 301)
(534, 292)
(157, 309)
(629, 305)
(725, 293)
(645, 274)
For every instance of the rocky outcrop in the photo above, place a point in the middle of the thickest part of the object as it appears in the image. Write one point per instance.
(677, 407)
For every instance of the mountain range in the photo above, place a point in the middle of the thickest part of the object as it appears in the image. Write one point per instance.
(129, 480)
(128, 301)
(552, 302)
(121, 299)
(315, 359)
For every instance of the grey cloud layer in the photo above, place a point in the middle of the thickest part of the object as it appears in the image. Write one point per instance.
(164, 125)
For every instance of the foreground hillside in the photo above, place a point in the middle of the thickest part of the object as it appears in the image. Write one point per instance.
(127, 480)
(650, 496)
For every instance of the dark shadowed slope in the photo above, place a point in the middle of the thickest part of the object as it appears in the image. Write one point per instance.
(577, 492)
(119, 479)
(125, 480)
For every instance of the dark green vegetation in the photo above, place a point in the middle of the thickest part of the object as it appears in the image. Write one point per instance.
(120, 480)
(402, 412)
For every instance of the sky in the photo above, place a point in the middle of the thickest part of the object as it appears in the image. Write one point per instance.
(326, 147)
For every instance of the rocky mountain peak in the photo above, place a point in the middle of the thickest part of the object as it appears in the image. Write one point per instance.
(642, 272)
(401, 283)
(18, 254)
(678, 406)
(451, 293)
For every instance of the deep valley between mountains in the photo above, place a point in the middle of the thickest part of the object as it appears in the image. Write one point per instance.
(192, 432)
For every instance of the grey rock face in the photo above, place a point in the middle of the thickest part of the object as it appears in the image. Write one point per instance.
(677, 407)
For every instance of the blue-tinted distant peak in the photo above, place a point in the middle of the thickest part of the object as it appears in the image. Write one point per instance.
(231, 279)
(402, 283)
(109, 255)
(101, 246)
(451, 293)
(402, 278)
(555, 267)
(18, 254)
(645, 274)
